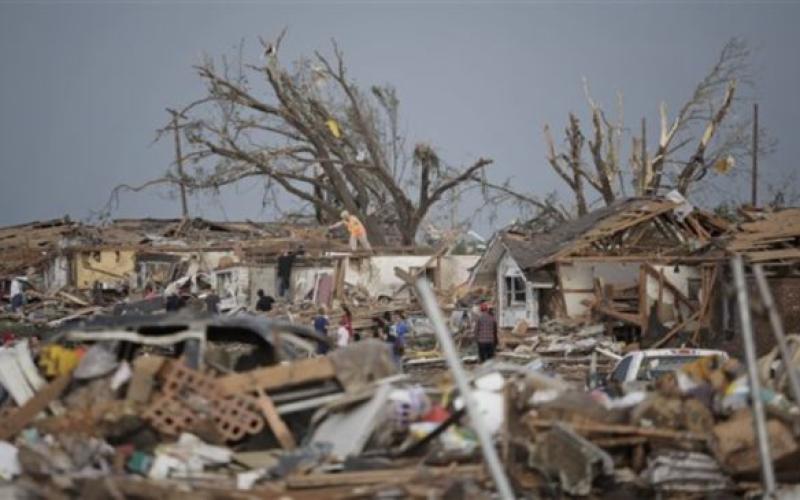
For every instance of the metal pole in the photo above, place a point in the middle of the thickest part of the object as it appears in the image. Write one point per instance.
(754, 200)
(644, 174)
(777, 330)
(767, 474)
(179, 164)
(431, 308)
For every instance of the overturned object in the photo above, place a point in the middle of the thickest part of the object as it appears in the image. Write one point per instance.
(576, 461)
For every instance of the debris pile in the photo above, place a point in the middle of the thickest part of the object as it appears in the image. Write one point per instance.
(152, 407)
(577, 350)
(691, 432)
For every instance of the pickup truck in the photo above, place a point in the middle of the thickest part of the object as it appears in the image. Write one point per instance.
(638, 368)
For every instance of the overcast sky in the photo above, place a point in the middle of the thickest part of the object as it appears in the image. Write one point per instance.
(84, 85)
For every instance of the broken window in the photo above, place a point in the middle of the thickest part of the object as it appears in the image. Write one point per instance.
(515, 290)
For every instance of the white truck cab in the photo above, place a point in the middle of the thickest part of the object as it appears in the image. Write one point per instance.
(645, 366)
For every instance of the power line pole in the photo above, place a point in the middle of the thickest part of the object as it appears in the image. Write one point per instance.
(754, 198)
(645, 173)
(179, 163)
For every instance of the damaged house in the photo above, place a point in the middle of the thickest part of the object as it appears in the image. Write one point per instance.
(770, 238)
(620, 263)
(236, 259)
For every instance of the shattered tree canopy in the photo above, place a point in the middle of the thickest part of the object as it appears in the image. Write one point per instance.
(646, 227)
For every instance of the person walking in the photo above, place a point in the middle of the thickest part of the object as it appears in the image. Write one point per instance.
(486, 333)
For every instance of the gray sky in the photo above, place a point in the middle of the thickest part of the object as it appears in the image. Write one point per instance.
(83, 86)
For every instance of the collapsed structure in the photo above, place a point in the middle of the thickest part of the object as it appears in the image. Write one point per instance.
(129, 403)
(64, 260)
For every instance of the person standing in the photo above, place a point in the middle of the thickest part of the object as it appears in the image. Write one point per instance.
(17, 293)
(358, 234)
(321, 327)
(400, 331)
(285, 263)
(347, 321)
(485, 333)
(264, 302)
(342, 334)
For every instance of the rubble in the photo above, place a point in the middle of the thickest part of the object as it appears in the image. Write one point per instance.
(110, 395)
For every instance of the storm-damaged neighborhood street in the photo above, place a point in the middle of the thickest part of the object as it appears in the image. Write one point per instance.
(304, 293)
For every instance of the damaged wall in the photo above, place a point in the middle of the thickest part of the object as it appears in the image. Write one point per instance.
(376, 274)
(232, 284)
(685, 278)
(56, 274)
(577, 281)
(108, 267)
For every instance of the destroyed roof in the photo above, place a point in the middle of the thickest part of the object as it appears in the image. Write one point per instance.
(28, 245)
(134, 231)
(767, 236)
(629, 227)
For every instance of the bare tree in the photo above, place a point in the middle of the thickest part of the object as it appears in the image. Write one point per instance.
(312, 133)
(705, 133)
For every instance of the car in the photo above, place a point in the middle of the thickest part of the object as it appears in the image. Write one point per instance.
(638, 368)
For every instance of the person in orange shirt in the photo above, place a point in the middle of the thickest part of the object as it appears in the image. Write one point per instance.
(358, 234)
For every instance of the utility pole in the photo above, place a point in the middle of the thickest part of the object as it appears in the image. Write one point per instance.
(179, 163)
(754, 199)
(643, 176)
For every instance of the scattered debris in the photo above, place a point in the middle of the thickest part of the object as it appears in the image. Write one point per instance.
(149, 373)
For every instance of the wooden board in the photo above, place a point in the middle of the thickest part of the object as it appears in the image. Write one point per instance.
(10, 427)
(404, 475)
(279, 376)
(276, 423)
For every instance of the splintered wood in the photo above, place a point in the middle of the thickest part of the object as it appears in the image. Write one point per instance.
(768, 236)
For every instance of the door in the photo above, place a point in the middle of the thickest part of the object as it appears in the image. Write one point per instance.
(514, 300)
(532, 312)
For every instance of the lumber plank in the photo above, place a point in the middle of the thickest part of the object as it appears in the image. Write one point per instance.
(630, 318)
(279, 376)
(321, 480)
(675, 329)
(276, 423)
(11, 426)
(616, 429)
(672, 288)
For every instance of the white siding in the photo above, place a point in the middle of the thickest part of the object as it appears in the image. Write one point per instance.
(581, 275)
(510, 314)
(376, 273)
